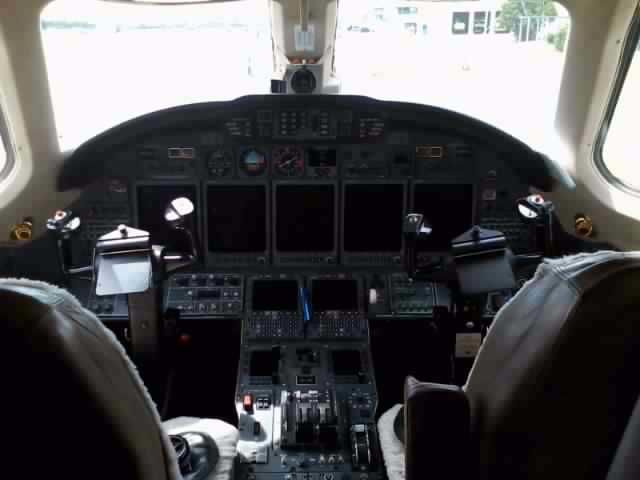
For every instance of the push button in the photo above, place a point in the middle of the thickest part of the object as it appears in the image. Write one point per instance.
(247, 403)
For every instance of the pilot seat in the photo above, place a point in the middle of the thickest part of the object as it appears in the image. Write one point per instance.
(74, 406)
(554, 391)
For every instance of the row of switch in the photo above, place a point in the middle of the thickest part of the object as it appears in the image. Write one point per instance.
(203, 280)
(310, 476)
(310, 461)
(101, 308)
(417, 307)
(207, 308)
(202, 293)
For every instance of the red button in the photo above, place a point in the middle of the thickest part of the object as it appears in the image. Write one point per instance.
(247, 402)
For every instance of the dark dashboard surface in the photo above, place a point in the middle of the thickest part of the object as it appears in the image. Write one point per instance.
(305, 181)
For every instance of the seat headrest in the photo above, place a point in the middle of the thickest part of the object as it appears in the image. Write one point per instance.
(76, 399)
(555, 382)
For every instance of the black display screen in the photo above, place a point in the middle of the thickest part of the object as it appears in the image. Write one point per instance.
(327, 295)
(275, 295)
(322, 157)
(237, 218)
(449, 211)
(152, 202)
(346, 362)
(261, 363)
(373, 217)
(305, 218)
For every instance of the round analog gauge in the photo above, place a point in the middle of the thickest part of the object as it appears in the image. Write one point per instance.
(288, 161)
(253, 162)
(219, 163)
(117, 186)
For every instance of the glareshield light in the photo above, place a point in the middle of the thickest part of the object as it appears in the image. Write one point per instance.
(178, 209)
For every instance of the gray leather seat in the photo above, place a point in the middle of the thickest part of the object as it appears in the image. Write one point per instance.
(552, 392)
(73, 405)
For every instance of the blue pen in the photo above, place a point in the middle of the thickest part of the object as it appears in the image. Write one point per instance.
(306, 308)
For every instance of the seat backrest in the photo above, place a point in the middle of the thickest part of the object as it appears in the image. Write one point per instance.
(626, 463)
(555, 383)
(73, 405)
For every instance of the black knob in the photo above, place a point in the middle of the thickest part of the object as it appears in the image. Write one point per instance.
(183, 453)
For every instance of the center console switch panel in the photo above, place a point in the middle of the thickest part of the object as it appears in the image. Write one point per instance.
(307, 410)
(200, 295)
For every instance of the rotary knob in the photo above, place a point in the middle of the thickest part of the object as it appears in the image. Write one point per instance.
(583, 226)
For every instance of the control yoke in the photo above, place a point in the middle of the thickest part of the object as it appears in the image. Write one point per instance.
(63, 225)
(414, 228)
(126, 263)
(179, 216)
(534, 209)
(482, 259)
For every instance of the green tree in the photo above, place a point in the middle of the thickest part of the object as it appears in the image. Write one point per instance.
(559, 40)
(513, 10)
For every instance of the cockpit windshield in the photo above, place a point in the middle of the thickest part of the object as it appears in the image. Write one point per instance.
(500, 61)
(108, 62)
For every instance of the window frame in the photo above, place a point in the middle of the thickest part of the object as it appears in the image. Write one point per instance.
(480, 29)
(497, 28)
(468, 21)
(631, 45)
(5, 139)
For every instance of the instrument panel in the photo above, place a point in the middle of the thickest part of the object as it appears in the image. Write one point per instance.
(310, 187)
(300, 205)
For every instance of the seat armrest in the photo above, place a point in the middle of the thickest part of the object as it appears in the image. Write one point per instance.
(437, 431)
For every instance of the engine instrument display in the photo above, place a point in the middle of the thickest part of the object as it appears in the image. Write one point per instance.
(373, 216)
(237, 218)
(305, 217)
